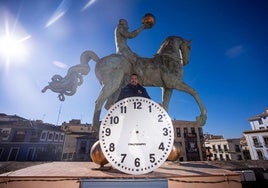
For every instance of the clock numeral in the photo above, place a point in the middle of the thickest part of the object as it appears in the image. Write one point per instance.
(114, 120)
(150, 108)
(107, 132)
(111, 147)
(165, 133)
(160, 118)
(152, 158)
(123, 157)
(123, 109)
(137, 162)
(137, 105)
(161, 146)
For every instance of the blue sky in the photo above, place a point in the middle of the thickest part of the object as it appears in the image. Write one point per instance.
(228, 61)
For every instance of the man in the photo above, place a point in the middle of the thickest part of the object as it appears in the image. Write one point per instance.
(133, 89)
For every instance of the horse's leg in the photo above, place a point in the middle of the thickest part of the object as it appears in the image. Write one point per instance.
(185, 88)
(111, 99)
(166, 96)
(106, 91)
(97, 111)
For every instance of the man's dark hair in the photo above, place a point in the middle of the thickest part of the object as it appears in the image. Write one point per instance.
(134, 74)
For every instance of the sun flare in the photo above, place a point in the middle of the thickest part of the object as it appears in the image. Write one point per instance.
(12, 47)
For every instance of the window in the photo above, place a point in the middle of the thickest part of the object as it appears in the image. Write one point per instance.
(237, 148)
(265, 139)
(260, 121)
(200, 131)
(219, 148)
(50, 136)
(83, 146)
(227, 157)
(225, 147)
(19, 136)
(214, 148)
(61, 137)
(56, 138)
(70, 155)
(34, 136)
(30, 154)
(13, 154)
(1, 152)
(260, 155)
(185, 131)
(192, 130)
(178, 130)
(64, 156)
(190, 147)
(43, 136)
(239, 157)
(256, 141)
(5, 132)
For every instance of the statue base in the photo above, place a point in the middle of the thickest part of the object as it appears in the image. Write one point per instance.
(89, 174)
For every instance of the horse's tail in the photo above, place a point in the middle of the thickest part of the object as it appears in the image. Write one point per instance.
(87, 55)
(67, 85)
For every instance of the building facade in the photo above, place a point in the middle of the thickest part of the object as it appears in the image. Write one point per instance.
(78, 141)
(223, 149)
(25, 140)
(257, 138)
(189, 135)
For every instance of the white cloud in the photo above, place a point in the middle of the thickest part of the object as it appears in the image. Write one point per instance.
(59, 12)
(60, 64)
(234, 51)
(90, 2)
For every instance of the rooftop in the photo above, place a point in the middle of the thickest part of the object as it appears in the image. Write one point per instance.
(262, 115)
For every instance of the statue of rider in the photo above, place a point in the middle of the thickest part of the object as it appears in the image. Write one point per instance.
(121, 36)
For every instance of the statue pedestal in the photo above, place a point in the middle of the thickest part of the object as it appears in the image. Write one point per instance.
(86, 174)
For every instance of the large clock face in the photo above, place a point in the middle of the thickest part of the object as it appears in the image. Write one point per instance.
(136, 135)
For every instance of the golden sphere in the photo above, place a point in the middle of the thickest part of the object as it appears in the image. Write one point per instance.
(97, 155)
(175, 153)
(148, 20)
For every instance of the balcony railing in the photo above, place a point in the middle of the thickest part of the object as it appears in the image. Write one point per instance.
(258, 146)
(190, 135)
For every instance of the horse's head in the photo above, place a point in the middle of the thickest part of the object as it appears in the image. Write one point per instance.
(177, 47)
(185, 48)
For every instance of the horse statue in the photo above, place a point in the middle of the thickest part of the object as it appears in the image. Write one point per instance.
(164, 70)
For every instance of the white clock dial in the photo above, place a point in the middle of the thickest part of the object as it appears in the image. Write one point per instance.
(136, 135)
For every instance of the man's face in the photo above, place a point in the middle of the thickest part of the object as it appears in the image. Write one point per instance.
(134, 80)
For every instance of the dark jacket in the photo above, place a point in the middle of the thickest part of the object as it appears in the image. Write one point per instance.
(133, 91)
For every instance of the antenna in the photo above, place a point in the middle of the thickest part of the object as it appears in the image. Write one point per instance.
(81, 117)
(59, 114)
(43, 117)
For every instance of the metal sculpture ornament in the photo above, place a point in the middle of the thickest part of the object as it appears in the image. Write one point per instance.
(148, 20)
(136, 135)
